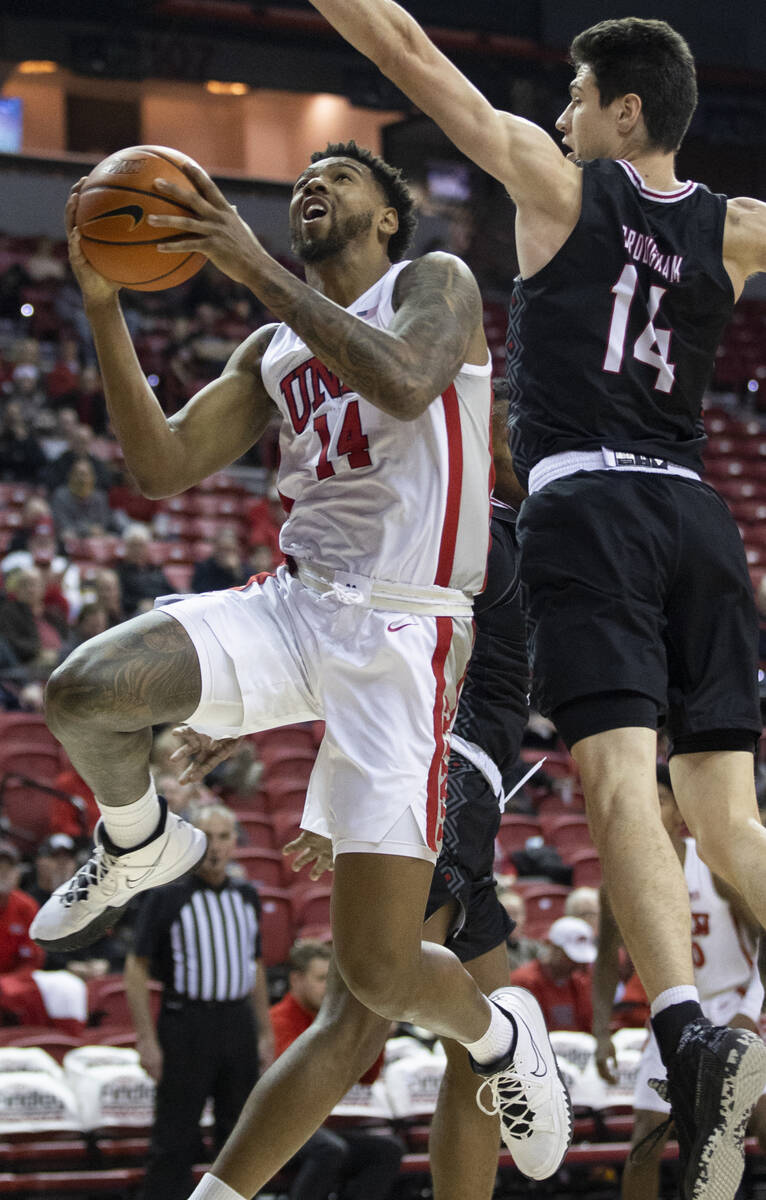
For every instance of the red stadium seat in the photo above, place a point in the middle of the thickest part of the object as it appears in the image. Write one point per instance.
(27, 728)
(55, 1042)
(256, 829)
(544, 903)
(569, 834)
(277, 932)
(311, 904)
(286, 825)
(514, 830)
(108, 1001)
(261, 866)
(39, 762)
(27, 810)
(586, 868)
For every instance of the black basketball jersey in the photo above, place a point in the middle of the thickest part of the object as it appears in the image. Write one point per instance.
(612, 343)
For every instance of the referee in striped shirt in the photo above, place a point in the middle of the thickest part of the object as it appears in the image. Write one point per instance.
(200, 936)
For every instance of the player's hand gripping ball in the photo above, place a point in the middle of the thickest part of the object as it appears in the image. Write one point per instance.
(112, 209)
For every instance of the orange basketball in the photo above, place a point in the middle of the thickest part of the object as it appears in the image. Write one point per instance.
(112, 208)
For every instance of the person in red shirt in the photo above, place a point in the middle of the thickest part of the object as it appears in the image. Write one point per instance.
(560, 980)
(353, 1163)
(17, 950)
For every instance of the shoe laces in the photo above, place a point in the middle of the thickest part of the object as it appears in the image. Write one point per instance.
(90, 875)
(511, 1102)
(643, 1149)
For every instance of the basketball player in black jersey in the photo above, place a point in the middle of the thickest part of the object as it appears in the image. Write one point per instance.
(640, 604)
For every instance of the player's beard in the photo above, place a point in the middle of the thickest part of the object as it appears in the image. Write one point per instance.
(336, 239)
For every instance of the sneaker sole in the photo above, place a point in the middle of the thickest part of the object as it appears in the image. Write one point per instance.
(563, 1112)
(106, 920)
(721, 1159)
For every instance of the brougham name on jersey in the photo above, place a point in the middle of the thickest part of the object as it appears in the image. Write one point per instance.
(643, 248)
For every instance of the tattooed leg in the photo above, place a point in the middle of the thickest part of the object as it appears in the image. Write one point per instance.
(103, 700)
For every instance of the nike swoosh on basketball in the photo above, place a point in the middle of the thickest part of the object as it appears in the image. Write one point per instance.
(395, 628)
(127, 210)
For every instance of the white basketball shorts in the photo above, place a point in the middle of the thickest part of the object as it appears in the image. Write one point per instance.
(386, 684)
(719, 1009)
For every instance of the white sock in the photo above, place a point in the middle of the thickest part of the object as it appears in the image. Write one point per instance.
(496, 1042)
(210, 1188)
(674, 995)
(131, 824)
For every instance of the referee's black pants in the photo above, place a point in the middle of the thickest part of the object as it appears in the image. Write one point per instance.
(209, 1049)
(351, 1163)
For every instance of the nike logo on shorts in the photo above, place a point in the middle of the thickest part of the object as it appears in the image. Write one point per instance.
(392, 628)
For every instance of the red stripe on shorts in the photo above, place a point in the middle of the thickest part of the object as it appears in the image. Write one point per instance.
(436, 794)
(454, 487)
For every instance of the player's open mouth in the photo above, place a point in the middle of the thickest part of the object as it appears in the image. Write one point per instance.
(313, 209)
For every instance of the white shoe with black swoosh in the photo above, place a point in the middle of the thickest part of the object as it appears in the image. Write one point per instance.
(527, 1090)
(93, 900)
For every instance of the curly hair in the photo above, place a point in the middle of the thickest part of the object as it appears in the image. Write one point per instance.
(648, 57)
(395, 188)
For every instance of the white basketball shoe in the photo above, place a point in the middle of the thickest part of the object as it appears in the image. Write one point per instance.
(93, 900)
(527, 1091)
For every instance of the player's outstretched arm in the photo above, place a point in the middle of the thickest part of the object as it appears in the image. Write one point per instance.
(517, 152)
(400, 369)
(217, 425)
(744, 242)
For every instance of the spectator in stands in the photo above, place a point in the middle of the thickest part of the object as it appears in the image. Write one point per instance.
(521, 949)
(140, 580)
(347, 1162)
(92, 619)
(584, 902)
(261, 558)
(186, 799)
(64, 376)
(57, 438)
(26, 627)
(108, 593)
(89, 399)
(43, 265)
(80, 446)
(61, 579)
(558, 979)
(128, 503)
(76, 811)
(55, 862)
(266, 517)
(22, 459)
(224, 567)
(80, 509)
(214, 1020)
(36, 517)
(18, 953)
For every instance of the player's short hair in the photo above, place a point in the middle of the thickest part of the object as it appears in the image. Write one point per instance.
(390, 179)
(648, 57)
(303, 953)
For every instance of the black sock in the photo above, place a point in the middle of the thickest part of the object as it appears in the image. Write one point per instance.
(669, 1024)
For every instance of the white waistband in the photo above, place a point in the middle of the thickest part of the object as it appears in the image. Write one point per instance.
(489, 768)
(556, 466)
(350, 588)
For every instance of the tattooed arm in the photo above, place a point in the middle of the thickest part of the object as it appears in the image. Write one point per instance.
(437, 326)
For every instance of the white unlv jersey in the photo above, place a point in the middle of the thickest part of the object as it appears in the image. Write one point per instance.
(723, 951)
(404, 501)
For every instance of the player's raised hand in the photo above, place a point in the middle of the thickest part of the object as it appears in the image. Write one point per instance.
(214, 226)
(95, 288)
(310, 848)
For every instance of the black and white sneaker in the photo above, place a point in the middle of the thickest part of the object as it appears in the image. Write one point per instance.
(527, 1090)
(93, 900)
(714, 1080)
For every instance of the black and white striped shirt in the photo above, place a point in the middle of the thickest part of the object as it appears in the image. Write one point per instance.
(203, 942)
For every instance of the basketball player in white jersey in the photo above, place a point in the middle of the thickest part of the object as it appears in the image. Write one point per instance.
(381, 377)
(725, 953)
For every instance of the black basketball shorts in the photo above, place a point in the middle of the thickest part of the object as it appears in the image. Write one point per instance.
(638, 583)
